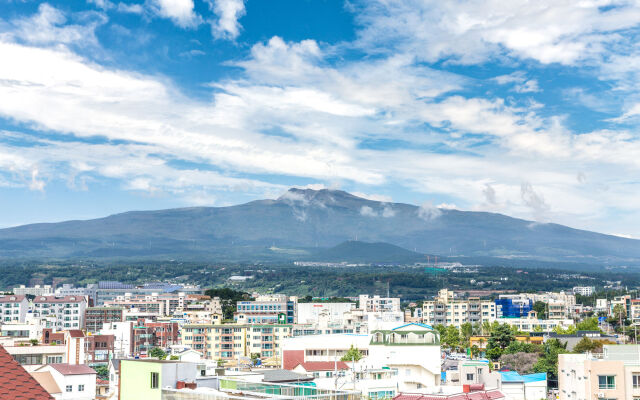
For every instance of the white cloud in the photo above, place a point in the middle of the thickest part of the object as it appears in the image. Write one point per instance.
(428, 212)
(226, 26)
(368, 211)
(181, 12)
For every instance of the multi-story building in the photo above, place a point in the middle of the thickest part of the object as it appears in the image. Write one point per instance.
(377, 303)
(99, 349)
(60, 312)
(613, 375)
(531, 323)
(602, 306)
(155, 304)
(13, 308)
(446, 310)
(513, 308)
(312, 313)
(110, 290)
(271, 309)
(584, 290)
(411, 349)
(96, 317)
(234, 341)
(37, 290)
(147, 335)
(32, 329)
(89, 292)
(561, 305)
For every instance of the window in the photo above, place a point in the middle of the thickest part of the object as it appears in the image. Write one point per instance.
(636, 381)
(469, 377)
(80, 388)
(606, 382)
(69, 388)
(154, 380)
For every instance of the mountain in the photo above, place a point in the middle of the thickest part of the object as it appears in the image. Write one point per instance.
(361, 252)
(300, 222)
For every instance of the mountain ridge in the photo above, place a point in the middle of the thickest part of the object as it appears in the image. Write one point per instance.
(307, 218)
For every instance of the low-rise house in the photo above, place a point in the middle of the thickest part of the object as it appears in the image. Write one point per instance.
(77, 382)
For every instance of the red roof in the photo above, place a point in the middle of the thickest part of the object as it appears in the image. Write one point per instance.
(102, 381)
(480, 395)
(74, 333)
(312, 366)
(12, 298)
(16, 383)
(71, 369)
(292, 358)
(54, 299)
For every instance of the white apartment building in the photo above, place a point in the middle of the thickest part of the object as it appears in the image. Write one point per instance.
(378, 304)
(533, 324)
(560, 304)
(61, 313)
(32, 329)
(446, 310)
(411, 349)
(584, 290)
(334, 313)
(154, 304)
(13, 308)
(36, 290)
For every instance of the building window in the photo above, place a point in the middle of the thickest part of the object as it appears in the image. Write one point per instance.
(80, 388)
(69, 388)
(636, 381)
(606, 382)
(469, 377)
(154, 380)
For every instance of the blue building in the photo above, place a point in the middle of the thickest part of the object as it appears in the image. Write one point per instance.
(510, 308)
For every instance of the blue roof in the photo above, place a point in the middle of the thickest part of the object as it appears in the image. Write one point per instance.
(513, 376)
(414, 323)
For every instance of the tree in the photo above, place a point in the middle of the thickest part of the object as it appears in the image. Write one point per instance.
(452, 338)
(174, 357)
(523, 363)
(254, 358)
(548, 362)
(584, 345)
(475, 351)
(158, 353)
(501, 337)
(619, 313)
(352, 354)
(540, 308)
(102, 371)
(34, 342)
(588, 324)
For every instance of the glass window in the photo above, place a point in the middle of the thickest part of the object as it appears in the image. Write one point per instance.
(154, 380)
(636, 381)
(80, 388)
(69, 388)
(606, 382)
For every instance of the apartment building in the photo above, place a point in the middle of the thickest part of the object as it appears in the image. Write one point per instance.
(99, 349)
(411, 349)
(60, 312)
(234, 341)
(96, 317)
(154, 304)
(446, 310)
(148, 334)
(531, 323)
(13, 308)
(311, 313)
(615, 374)
(377, 303)
(110, 290)
(37, 290)
(584, 290)
(270, 309)
(90, 292)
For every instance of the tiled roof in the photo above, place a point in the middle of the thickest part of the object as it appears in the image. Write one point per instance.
(72, 369)
(292, 358)
(16, 383)
(323, 365)
(74, 333)
(54, 299)
(11, 298)
(283, 375)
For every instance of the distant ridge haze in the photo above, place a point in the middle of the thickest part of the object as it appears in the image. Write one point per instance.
(308, 220)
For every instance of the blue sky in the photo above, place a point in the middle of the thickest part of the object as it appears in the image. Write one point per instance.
(530, 109)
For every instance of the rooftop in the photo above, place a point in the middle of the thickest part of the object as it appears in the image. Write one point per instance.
(70, 369)
(16, 383)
